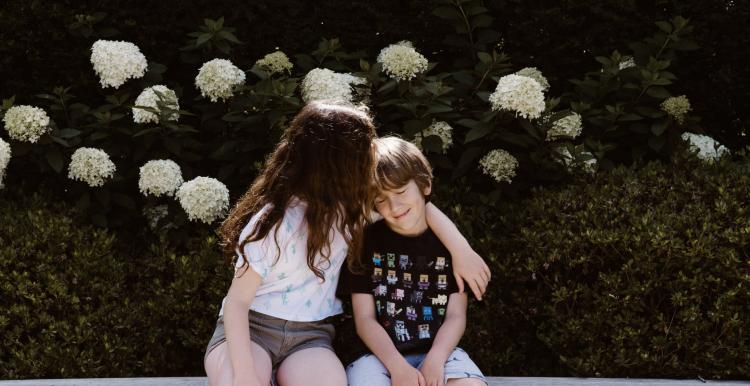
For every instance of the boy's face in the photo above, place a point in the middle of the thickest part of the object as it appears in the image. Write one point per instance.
(403, 209)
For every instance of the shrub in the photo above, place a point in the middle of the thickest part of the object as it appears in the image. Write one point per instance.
(634, 273)
(79, 302)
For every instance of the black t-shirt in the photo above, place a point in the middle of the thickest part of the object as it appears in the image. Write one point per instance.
(411, 279)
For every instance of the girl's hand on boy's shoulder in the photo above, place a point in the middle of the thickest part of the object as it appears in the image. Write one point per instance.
(470, 267)
(432, 371)
(407, 376)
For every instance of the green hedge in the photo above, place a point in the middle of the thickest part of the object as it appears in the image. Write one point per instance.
(79, 302)
(634, 273)
(640, 272)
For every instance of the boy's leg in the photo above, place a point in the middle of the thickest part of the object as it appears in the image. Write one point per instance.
(366, 371)
(461, 370)
(219, 367)
(316, 365)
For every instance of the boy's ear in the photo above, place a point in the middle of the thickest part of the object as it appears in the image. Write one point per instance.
(427, 189)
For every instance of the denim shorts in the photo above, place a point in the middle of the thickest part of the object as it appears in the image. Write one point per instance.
(279, 337)
(369, 371)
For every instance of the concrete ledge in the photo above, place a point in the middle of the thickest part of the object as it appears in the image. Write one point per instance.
(494, 381)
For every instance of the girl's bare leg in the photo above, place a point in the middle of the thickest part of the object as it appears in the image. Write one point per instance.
(219, 367)
(317, 365)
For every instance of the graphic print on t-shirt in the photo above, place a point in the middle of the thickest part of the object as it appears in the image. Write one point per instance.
(410, 280)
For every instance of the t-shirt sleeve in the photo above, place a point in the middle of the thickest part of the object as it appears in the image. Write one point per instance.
(357, 282)
(260, 254)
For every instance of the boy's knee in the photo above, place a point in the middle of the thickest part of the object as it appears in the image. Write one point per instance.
(466, 382)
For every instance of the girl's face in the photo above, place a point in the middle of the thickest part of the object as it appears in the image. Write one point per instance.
(403, 209)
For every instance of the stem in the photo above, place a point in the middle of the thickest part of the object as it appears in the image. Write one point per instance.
(468, 28)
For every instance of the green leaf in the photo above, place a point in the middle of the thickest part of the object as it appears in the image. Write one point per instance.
(658, 92)
(468, 157)
(477, 133)
(203, 38)
(482, 21)
(484, 57)
(55, 160)
(229, 36)
(664, 26)
(68, 133)
(447, 12)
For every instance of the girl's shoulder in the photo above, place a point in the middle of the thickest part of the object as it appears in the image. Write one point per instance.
(294, 215)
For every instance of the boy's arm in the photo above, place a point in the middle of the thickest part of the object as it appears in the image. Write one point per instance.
(447, 338)
(379, 342)
(467, 264)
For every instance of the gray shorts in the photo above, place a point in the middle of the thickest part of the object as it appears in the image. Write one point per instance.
(369, 371)
(278, 337)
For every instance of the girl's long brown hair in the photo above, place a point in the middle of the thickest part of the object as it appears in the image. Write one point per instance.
(326, 159)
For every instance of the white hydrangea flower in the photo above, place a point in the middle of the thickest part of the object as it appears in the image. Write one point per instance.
(160, 177)
(149, 98)
(204, 199)
(26, 123)
(519, 94)
(499, 164)
(441, 129)
(627, 62)
(322, 83)
(707, 148)
(217, 79)
(117, 61)
(677, 107)
(569, 126)
(276, 62)
(401, 61)
(91, 166)
(590, 165)
(534, 73)
(4, 159)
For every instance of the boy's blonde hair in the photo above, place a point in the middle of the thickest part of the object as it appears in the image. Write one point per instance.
(398, 162)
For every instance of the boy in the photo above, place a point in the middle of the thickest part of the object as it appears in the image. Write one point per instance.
(407, 309)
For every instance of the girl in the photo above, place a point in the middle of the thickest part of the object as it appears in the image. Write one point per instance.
(291, 232)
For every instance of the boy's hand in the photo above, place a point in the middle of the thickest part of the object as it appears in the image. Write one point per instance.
(432, 370)
(469, 266)
(407, 376)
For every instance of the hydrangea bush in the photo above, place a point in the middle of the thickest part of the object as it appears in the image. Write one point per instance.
(499, 127)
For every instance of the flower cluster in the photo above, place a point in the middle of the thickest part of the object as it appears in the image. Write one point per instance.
(4, 159)
(535, 74)
(401, 61)
(91, 166)
(217, 79)
(160, 177)
(439, 128)
(150, 97)
(626, 62)
(519, 94)
(569, 126)
(499, 164)
(276, 63)
(706, 147)
(117, 61)
(26, 123)
(677, 107)
(322, 83)
(204, 199)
